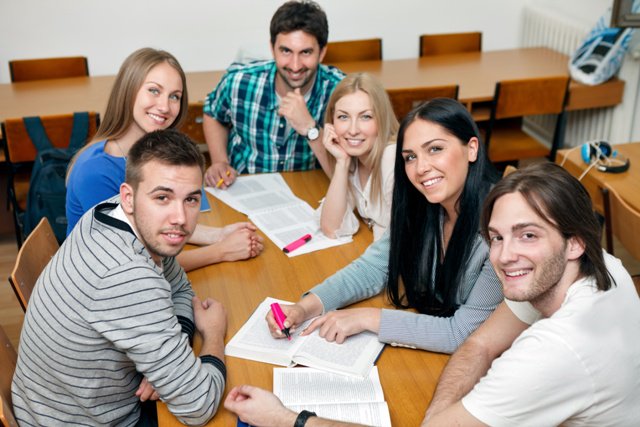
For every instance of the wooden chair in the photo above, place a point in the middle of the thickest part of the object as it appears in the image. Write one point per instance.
(622, 221)
(192, 125)
(48, 68)
(509, 170)
(32, 258)
(404, 100)
(353, 50)
(6, 414)
(8, 361)
(20, 154)
(438, 44)
(514, 99)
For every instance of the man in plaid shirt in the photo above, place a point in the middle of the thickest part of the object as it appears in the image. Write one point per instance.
(266, 116)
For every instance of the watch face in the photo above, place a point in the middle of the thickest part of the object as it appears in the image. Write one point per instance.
(313, 133)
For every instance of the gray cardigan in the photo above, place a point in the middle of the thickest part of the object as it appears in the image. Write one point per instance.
(367, 276)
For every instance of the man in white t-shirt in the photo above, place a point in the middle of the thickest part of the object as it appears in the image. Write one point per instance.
(563, 347)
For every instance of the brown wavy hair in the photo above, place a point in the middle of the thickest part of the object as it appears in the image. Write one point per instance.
(118, 116)
(559, 199)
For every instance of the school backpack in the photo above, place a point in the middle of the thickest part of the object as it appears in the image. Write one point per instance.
(601, 53)
(47, 189)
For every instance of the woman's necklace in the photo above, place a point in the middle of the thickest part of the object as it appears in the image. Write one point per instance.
(120, 148)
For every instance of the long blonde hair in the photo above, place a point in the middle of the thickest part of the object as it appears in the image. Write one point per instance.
(118, 116)
(383, 115)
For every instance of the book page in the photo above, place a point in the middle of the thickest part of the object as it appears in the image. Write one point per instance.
(254, 341)
(288, 223)
(309, 385)
(333, 396)
(252, 193)
(276, 211)
(370, 413)
(355, 356)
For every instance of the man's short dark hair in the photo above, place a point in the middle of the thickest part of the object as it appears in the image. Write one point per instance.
(302, 15)
(167, 146)
(559, 199)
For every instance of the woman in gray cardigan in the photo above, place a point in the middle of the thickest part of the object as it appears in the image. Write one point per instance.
(433, 258)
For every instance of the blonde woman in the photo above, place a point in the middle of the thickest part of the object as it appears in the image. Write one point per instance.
(359, 132)
(149, 94)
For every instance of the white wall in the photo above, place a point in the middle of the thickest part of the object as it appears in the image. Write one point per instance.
(206, 34)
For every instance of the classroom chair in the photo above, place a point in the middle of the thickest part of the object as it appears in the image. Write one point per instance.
(36, 252)
(8, 361)
(192, 124)
(438, 44)
(20, 154)
(23, 70)
(509, 170)
(622, 221)
(513, 99)
(404, 100)
(353, 50)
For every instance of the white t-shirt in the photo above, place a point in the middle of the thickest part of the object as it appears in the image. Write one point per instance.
(581, 366)
(378, 214)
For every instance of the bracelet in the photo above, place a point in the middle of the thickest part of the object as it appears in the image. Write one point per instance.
(303, 417)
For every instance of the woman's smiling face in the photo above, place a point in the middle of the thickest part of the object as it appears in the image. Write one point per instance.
(355, 124)
(436, 162)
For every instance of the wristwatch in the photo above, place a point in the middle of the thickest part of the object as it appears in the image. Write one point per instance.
(313, 133)
(303, 417)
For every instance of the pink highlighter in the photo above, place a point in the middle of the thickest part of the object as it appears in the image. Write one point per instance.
(280, 318)
(296, 243)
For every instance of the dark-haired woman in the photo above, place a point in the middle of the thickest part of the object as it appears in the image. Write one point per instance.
(433, 259)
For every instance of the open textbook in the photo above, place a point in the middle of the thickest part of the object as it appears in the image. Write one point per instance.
(253, 341)
(337, 397)
(274, 209)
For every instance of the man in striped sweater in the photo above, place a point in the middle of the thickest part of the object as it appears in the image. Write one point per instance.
(110, 319)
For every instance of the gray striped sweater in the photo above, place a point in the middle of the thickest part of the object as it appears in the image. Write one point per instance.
(101, 316)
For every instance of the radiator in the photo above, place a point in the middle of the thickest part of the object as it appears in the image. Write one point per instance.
(546, 24)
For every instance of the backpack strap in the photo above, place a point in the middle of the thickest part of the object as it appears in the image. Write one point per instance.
(38, 135)
(80, 131)
(36, 132)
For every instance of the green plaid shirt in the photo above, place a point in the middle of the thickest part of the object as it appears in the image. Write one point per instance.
(245, 101)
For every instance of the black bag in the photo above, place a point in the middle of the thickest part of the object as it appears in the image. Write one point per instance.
(47, 189)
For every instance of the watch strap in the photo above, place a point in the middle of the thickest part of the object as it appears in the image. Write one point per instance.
(302, 418)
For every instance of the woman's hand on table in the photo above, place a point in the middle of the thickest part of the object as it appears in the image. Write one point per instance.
(340, 324)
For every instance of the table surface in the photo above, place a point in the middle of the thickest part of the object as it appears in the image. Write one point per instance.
(408, 376)
(475, 72)
(626, 184)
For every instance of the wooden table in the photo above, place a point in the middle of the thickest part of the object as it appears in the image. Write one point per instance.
(475, 72)
(626, 184)
(408, 376)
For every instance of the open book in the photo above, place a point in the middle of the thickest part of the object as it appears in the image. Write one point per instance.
(274, 209)
(253, 341)
(337, 397)
(253, 193)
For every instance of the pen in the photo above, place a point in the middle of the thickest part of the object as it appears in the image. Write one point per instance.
(220, 181)
(296, 243)
(280, 318)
